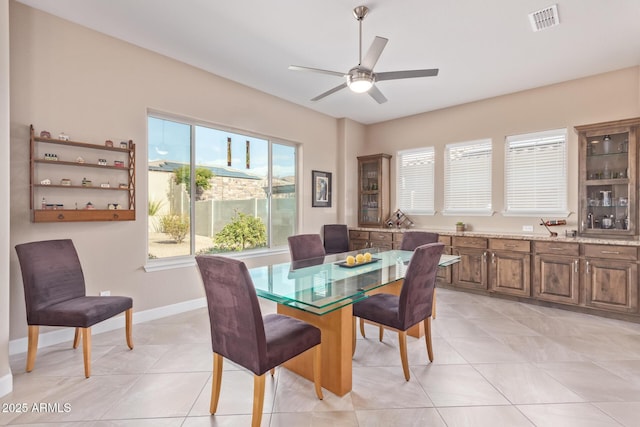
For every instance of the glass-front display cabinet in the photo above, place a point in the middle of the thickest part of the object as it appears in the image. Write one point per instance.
(373, 190)
(608, 178)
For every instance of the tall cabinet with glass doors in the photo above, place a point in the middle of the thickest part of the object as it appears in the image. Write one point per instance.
(373, 190)
(608, 178)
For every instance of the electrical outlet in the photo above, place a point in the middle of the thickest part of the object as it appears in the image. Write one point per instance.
(528, 228)
(105, 293)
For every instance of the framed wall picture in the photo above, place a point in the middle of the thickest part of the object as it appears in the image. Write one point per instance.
(320, 189)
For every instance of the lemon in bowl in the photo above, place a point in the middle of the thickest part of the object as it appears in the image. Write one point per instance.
(359, 258)
(367, 257)
(351, 260)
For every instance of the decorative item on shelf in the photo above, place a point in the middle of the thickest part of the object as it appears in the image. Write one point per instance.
(606, 144)
(460, 226)
(571, 233)
(63, 137)
(108, 143)
(49, 207)
(552, 222)
(44, 204)
(118, 163)
(113, 206)
(86, 182)
(102, 162)
(399, 220)
(79, 160)
(45, 181)
(45, 134)
(65, 182)
(123, 185)
(89, 205)
(105, 185)
(124, 144)
(548, 223)
(52, 157)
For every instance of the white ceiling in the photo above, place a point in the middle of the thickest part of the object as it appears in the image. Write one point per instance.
(482, 48)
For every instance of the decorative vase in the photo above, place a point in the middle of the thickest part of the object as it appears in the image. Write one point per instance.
(459, 228)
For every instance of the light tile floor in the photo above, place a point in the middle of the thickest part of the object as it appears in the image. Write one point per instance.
(497, 363)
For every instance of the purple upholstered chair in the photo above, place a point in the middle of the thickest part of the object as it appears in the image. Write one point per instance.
(413, 306)
(54, 293)
(336, 238)
(412, 239)
(305, 246)
(240, 333)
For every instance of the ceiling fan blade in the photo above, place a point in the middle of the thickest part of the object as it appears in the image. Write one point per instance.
(316, 70)
(377, 95)
(408, 74)
(374, 53)
(329, 92)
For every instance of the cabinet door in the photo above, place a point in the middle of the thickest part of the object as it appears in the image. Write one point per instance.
(556, 279)
(373, 190)
(444, 273)
(471, 271)
(510, 273)
(611, 285)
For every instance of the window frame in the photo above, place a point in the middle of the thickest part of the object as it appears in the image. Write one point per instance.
(486, 177)
(430, 194)
(537, 140)
(155, 264)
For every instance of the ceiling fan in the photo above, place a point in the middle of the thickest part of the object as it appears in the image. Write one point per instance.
(361, 78)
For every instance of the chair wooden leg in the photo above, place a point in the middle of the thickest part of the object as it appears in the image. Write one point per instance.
(353, 336)
(76, 338)
(433, 305)
(362, 328)
(258, 400)
(86, 350)
(216, 380)
(317, 370)
(402, 339)
(380, 333)
(427, 337)
(128, 315)
(32, 347)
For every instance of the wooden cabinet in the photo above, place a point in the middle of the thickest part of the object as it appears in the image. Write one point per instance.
(556, 272)
(611, 277)
(373, 190)
(509, 267)
(370, 239)
(77, 181)
(471, 271)
(607, 176)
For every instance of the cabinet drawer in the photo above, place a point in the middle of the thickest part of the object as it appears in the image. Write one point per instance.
(612, 252)
(568, 249)
(378, 236)
(470, 242)
(445, 239)
(358, 235)
(510, 245)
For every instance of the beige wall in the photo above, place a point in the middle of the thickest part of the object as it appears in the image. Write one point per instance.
(5, 370)
(604, 97)
(67, 78)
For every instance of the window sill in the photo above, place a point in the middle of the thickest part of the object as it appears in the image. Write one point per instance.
(154, 265)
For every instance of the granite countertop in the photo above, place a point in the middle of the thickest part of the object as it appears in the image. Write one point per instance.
(629, 241)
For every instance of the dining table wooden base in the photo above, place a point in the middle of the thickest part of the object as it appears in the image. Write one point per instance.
(337, 348)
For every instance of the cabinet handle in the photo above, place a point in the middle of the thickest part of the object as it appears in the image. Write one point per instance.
(610, 252)
(511, 246)
(575, 266)
(60, 216)
(116, 216)
(484, 256)
(555, 248)
(587, 264)
(493, 257)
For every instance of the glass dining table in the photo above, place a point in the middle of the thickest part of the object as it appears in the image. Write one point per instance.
(321, 291)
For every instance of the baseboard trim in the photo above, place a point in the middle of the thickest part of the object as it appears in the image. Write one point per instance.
(58, 336)
(6, 384)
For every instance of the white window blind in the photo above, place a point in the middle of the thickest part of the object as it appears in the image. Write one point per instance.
(415, 169)
(536, 173)
(467, 178)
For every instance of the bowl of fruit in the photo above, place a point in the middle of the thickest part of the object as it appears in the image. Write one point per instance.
(358, 260)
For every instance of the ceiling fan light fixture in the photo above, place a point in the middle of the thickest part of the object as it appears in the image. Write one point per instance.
(359, 81)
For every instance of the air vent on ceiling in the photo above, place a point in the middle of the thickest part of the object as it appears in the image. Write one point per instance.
(544, 18)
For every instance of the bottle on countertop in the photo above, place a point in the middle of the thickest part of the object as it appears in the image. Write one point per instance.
(44, 203)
